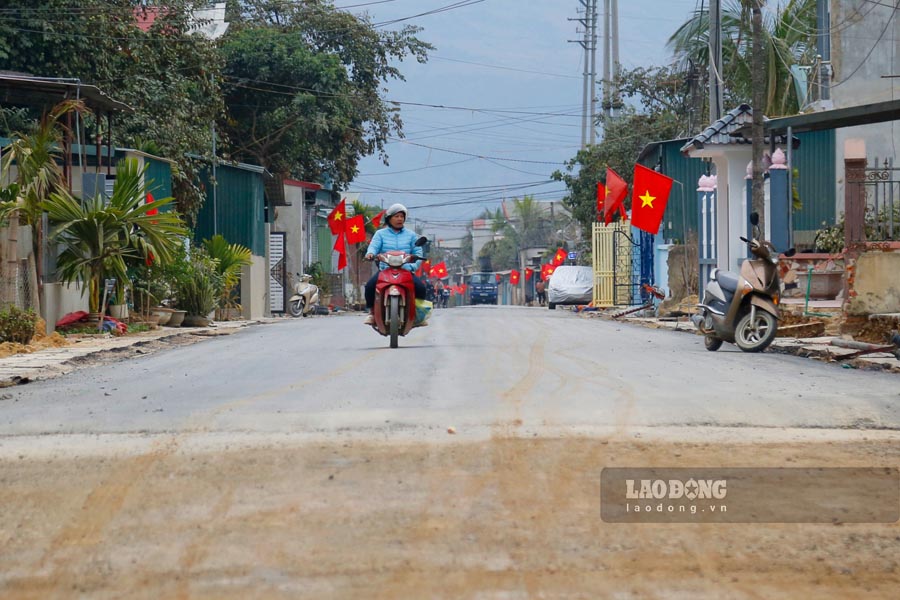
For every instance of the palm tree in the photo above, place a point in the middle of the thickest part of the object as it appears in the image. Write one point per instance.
(38, 175)
(97, 236)
(230, 259)
(789, 36)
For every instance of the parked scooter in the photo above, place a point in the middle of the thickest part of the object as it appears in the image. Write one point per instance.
(305, 298)
(395, 294)
(742, 309)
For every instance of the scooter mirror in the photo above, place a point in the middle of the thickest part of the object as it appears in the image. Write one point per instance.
(421, 241)
(754, 218)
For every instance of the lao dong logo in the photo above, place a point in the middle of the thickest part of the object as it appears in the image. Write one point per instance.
(675, 489)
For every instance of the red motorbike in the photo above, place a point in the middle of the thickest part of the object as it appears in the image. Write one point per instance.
(395, 294)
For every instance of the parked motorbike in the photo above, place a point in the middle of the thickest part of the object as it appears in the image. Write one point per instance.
(395, 294)
(742, 309)
(305, 298)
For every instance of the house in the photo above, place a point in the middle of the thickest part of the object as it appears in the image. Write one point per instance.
(293, 224)
(235, 207)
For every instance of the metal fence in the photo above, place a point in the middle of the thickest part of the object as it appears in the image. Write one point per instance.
(880, 185)
(17, 285)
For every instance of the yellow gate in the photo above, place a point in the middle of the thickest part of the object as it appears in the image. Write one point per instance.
(605, 262)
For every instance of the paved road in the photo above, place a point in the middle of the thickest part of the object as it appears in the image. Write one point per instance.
(473, 368)
(305, 459)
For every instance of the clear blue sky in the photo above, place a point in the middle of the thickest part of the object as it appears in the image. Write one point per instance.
(527, 68)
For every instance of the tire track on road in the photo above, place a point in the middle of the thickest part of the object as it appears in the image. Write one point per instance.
(104, 502)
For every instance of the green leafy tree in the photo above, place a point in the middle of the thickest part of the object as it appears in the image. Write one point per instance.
(788, 39)
(169, 74)
(38, 175)
(657, 111)
(304, 86)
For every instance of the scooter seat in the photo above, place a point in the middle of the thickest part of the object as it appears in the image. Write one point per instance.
(728, 281)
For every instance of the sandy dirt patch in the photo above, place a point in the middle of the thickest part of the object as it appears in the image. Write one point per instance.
(503, 518)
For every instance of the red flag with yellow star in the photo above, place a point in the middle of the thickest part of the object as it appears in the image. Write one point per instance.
(440, 270)
(547, 271)
(514, 277)
(648, 198)
(560, 257)
(614, 192)
(341, 249)
(528, 274)
(356, 229)
(337, 218)
(376, 220)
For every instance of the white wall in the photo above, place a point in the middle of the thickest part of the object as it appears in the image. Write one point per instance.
(60, 300)
(864, 48)
(290, 219)
(255, 289)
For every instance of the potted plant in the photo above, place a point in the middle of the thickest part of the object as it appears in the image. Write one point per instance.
(97, 235)
(197, 289)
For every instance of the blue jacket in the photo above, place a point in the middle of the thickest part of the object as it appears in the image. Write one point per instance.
(386, 239)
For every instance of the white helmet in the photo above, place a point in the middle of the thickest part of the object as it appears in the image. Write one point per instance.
(394, 209)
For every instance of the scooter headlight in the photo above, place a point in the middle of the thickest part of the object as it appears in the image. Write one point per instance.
(396, 260)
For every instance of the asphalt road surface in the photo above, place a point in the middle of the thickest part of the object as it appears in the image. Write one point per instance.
(305, 458)
(472, 368)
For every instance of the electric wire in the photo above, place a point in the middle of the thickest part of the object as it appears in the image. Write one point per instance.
(887, 24)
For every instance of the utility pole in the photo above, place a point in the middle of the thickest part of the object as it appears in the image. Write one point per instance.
(759, 100)
(607, 54)
(592, 138)
(716, 99)
(588, 21)
(823, 48)
(610, 57)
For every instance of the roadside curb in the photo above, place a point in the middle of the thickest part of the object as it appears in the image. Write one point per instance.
(818, 348)
(48, 363)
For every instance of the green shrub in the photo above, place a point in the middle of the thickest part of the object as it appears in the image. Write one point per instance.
(198, 287)
(17, 325)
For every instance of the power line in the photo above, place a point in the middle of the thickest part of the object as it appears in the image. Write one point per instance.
(887, 24)
(504, 68)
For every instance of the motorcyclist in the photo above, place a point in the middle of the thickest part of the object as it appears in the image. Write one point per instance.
(393, 237)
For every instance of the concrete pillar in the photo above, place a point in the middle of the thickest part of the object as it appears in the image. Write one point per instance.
(779, 218)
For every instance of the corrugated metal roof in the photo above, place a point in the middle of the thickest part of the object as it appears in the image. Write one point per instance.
(24, 89)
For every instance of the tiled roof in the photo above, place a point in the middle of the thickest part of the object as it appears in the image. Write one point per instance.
(721, 131)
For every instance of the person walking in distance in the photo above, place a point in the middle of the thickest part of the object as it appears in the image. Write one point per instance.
(540, 290)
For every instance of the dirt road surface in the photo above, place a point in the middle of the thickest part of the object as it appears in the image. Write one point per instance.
(232, 516)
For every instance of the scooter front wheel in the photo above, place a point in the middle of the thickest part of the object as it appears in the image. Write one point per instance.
(395, 320)
(296, 307)
(712, 343)
(755, 330)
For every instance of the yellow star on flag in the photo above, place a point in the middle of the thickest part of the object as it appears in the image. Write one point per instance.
(354, 229)
(338, 215)
(647, 199)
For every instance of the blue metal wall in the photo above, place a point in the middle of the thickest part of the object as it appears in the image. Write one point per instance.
(239, 208)
(159, 178)
(680, 219)
(814, 162)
